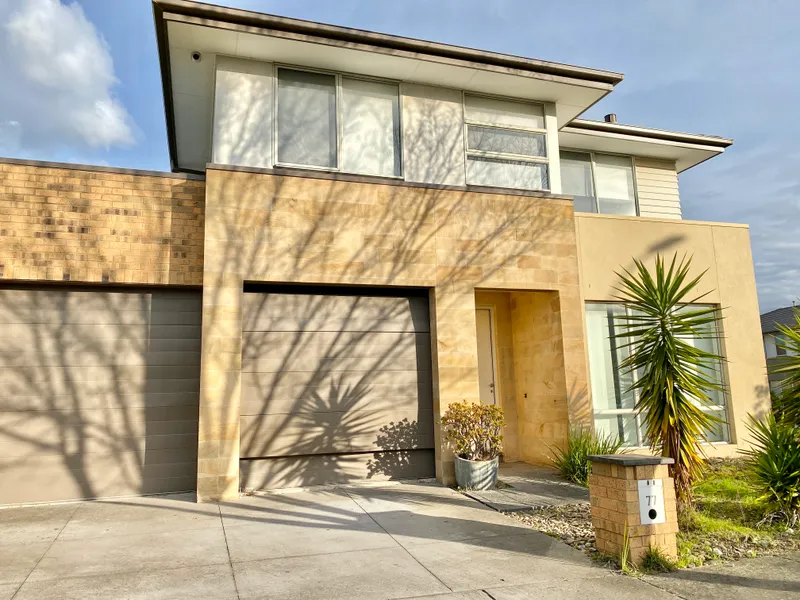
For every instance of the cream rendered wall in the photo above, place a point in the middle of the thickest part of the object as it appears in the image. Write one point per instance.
(243, 109)
(607, 243)
(657, 188)
(433, 135)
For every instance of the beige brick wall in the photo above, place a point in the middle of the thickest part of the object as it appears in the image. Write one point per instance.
(268, 228)
(91, 225)
(614, 494)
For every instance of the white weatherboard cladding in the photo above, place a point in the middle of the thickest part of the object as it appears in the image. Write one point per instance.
(433, 135)
(243, 113)
(370, 127)
(657, 186)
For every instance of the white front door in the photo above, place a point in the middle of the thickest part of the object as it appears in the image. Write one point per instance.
(486, 379)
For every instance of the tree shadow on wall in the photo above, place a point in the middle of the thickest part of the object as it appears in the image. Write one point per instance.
(365, 348)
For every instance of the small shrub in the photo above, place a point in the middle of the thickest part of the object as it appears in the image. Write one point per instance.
(625, 552)
(655, 561)
(775, 462)
(573, 461)
(476, 430)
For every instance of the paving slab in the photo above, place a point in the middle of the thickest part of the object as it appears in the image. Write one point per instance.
(33, 524)
(606, 587)
(7, 590)
(765, 578)
(325, 507)
(215, 581)
(127, 553)
(525, 487)
(130, 516)
(423, 525)
(361, 575)
(496, 561)
(278, 537)
(17, 561)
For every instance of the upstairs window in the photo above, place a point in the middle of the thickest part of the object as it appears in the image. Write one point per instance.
(506, 144)
(601, 183)
(333, 122)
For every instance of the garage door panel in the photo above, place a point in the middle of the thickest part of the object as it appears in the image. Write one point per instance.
(309, 312)
(125, 377)
(266, 393)
(289, 472)
(346, 431)
(88, 403)
(267, 352)
(334, 377)
(84, 357)
(44, 400)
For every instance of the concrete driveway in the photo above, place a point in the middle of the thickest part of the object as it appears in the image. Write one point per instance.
(394, 541)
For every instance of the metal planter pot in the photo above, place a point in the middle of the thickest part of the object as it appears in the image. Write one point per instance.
(477, 474)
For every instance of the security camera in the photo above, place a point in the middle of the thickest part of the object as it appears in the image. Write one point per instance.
(196, 56)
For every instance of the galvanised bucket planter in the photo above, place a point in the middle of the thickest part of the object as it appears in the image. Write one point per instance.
(477, 474)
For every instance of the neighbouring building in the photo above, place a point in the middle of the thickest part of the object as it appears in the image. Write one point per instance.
(360, 230)
(774, 340)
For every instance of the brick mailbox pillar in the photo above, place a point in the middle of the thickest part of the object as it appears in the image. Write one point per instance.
(636, 493)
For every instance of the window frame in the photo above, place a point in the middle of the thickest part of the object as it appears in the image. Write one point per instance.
(637, 417)
(545, 160)
(592, 163)
(338, 75)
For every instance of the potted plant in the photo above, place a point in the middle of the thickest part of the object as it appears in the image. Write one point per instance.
(476, 432)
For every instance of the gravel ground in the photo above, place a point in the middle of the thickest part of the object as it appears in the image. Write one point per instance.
(572, 524)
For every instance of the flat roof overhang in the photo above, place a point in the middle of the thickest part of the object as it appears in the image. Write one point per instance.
(184, 26)
(686, 149)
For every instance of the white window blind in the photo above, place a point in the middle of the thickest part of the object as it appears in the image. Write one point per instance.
(307, 119)
(503, 112)
(614, 183)
(613, 400)
(370, 128)
(506, 144)
(576, 180)
(600, 183)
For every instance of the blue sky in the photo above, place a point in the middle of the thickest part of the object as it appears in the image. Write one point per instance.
(723, 67)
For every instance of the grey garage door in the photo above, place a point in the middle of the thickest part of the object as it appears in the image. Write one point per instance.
(98, 393)
(335, 388)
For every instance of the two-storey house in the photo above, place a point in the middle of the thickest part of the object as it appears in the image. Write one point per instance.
(360, 230)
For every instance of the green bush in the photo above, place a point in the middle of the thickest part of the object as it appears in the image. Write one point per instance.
(476, 430)
(573, 461)
(775, 462)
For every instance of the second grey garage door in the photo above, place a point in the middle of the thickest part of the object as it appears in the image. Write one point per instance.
(335, 387)
(98, 392)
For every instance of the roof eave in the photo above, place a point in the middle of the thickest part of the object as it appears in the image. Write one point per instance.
(273, 22)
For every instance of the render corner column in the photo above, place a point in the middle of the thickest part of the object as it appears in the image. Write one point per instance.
(220, 388)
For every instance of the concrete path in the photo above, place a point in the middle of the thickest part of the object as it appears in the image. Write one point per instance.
(393, 541)
(764, 578)
(524, 487)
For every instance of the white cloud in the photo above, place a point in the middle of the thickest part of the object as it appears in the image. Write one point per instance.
(58, 78)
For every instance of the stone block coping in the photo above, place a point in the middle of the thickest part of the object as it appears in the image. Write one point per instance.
(631, 460)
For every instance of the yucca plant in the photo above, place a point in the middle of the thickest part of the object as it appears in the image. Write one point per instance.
(787, 403)
(672, 376)
(775, 461)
